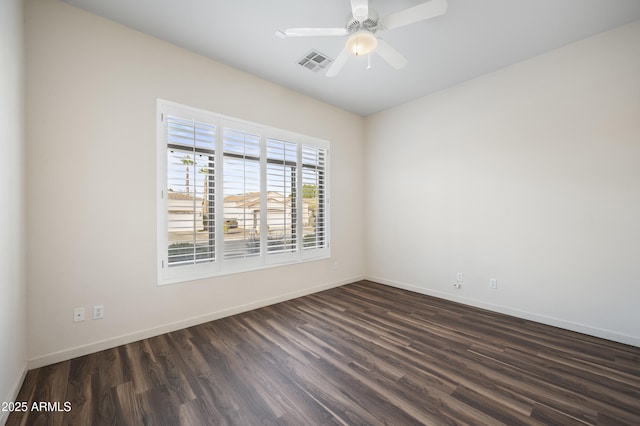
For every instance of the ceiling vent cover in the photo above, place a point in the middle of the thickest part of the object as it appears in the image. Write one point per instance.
(315, 61)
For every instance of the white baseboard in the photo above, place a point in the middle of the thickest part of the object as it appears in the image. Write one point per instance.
(13, 392)
(77, 351)
(531, 316)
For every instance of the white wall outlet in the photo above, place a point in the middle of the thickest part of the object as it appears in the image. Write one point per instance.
(460, 277)
(493, 283)
(78, 314)
(98, 312)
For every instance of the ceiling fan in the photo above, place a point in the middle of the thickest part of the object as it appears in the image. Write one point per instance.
(361, 29)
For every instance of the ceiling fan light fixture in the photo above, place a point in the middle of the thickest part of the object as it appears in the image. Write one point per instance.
(362, 43)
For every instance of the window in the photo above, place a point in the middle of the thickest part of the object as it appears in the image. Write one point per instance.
(236, 196)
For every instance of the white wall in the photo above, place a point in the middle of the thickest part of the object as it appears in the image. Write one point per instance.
(91, 100)
(12, 228)
(530, 175)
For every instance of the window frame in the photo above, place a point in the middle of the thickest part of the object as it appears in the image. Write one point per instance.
(169, 274)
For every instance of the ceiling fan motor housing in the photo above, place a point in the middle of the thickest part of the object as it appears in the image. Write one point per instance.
(369, 24)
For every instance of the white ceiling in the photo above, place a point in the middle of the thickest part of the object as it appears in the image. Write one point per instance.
(474, 37)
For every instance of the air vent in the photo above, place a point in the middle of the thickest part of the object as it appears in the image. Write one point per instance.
(315, 61)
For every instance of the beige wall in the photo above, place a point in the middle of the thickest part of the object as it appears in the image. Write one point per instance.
(530, 175)
(13, 317)
(92, 87)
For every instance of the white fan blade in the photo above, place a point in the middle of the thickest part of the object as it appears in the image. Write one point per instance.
(312, 32)
(391, 55)
(360, 9)
(426, 10)
(337, 65)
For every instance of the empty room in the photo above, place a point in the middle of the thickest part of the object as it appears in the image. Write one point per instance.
(317, 212)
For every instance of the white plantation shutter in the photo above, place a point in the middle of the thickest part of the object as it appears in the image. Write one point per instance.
(314, 197)
(235, 196)
(282, 162)
(242, 197)
(190, 191)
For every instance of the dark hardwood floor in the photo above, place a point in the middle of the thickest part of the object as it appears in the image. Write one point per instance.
(358, 354)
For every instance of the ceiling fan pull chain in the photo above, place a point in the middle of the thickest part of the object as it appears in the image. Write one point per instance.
(369, 61)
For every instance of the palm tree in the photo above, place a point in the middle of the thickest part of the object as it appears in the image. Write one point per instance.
(309, 190)
(205, 197)
(187, 161)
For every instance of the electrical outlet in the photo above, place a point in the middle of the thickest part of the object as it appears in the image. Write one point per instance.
(98, 312)
(78, 314)
(460, 277)
(493, 283)
(457, 285)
